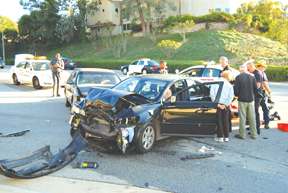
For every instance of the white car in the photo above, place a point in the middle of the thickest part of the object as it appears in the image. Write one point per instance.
(35, 70)
(206, 72)
(141, 66)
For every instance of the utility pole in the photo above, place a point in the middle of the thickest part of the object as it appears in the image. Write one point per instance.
(3, 41)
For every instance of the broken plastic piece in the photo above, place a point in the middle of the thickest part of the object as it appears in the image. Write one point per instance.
(198, 156)
(218, 152)
(87, 165)
(207, 149)
(15, 134)
(201, 150)
(42, 162)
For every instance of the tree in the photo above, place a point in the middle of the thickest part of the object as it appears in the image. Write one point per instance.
(168, 47)
(278, 31)
(145, 11)
(7, 24)
(183, 28)
(284, 10)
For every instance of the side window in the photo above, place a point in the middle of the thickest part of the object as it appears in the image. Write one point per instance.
(192, 73)
(152, 62)
(141, 62)
(176, 87)
(200, 92)
(73, 76)
(135, 62)
(209, 72)
(28, 65)
(21, 65)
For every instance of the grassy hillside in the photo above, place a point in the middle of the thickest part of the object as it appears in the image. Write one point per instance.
(201, 46)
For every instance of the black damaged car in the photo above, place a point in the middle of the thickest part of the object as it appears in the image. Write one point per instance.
(143, 109)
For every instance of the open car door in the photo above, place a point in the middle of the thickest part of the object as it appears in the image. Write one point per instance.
(190, 111)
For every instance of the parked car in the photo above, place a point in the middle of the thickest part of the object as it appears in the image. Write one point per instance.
(136, 114)
(81, 80)
(35, 70)
(68, 63)
(141, 66)
(206, 72)
(2, 64)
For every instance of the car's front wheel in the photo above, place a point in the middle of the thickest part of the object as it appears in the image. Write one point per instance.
(15, 80)
(36, 83)
(124, 71)
(144, 71)
(146, 139)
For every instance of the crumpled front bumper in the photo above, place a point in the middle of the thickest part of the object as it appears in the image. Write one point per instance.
(42, 162)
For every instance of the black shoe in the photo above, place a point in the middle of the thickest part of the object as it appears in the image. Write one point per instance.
(53, 95)
(249, 133)
(248, 128)
(277, 115)
(266, 127)
(58, 95)
(258, 132)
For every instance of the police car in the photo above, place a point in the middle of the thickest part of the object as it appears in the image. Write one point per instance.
(35, 70)
(206, 72)
(141, 66)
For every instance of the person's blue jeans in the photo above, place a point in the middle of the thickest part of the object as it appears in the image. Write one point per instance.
(56, 83)
(265, 110)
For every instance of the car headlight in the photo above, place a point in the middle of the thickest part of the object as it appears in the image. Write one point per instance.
(75, 109)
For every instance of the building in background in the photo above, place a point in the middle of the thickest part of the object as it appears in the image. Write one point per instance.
(109, 13)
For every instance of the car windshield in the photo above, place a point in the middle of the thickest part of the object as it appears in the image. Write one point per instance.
(97, 78)
(150, 88)
(68, 60)
(41, 65)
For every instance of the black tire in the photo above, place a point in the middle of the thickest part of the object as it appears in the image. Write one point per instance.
(67, 104)
(15, 79)
(146, 139)
(124, 71)
(144, 71)
(36, 83)
(2, 67)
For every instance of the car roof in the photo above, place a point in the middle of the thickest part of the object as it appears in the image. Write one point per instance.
(95, 70)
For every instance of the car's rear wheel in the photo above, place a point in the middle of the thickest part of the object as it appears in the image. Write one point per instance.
(15, 79)
(36, 83)
(124, 71)
(144, 71)
(146, 139)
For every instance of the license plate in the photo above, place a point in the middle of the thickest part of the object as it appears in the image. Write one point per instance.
(71, 64)
(71, 119)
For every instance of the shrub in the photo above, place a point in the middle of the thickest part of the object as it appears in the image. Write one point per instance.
(135, 27)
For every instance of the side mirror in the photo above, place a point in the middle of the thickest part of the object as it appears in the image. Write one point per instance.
(176, 71)
(69, 82)
(173, 99)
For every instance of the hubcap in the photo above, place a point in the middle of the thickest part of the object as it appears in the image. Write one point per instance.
(36, 82)
(144, 72)
(148, 137)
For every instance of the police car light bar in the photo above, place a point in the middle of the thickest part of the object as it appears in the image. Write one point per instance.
(208, 62)
(36, 58)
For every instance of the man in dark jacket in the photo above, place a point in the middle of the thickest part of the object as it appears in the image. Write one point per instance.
(161, 69)
(246, 89)
(56, 65)
(259, 79)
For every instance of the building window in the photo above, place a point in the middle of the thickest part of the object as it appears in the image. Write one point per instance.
(218, 9)
(98, 29)
(227, 10)
(100, 3)
(126, 26)
(211, 11)
(103, 10)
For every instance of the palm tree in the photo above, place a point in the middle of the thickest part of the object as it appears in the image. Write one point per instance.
(284, 9)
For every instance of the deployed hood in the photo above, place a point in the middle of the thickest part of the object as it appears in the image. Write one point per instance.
(108, 98)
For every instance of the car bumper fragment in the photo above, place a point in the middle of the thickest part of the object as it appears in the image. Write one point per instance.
(15, 134)
(42, 162)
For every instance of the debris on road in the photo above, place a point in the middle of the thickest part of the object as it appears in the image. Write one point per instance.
(146, 184)
(42, 162)
(265, 137)
(87, 165)
(15, 134)
(203, 149)
(198, 156)
(218, 152)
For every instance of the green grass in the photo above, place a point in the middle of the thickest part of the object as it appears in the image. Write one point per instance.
(205, 45)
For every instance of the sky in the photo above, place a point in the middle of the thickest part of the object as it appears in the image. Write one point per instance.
(13, 9)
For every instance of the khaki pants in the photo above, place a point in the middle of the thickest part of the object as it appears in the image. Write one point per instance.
(247, 108)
